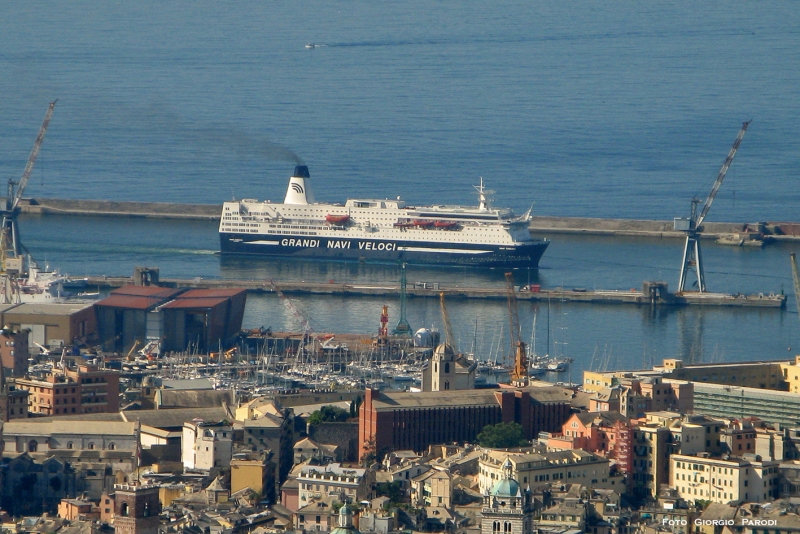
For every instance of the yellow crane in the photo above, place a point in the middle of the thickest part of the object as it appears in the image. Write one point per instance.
(519, 374)
(449, 339)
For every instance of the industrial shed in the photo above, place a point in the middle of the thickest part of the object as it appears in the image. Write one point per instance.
(53, 325)
(130, 314)
(203, 319)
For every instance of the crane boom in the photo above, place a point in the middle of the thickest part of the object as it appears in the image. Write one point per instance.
(721, 176)
(12, 200)
(449, 339)
(692, 255)
(520, 371)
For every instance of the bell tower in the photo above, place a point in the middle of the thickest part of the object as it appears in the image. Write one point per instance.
(136, 509)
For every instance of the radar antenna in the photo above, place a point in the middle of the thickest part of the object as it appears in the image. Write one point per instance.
(484, 196)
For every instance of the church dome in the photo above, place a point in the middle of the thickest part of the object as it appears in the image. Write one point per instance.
(505, 488)
(345, 522)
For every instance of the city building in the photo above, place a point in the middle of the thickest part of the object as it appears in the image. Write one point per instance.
(136, 509)
(333, 480)
(14, 351)
(75, 390)
(13, 401)
(40, 436)
(724, 480)
(206, 445)
(392, 421)
(254, 470)
(53, 325)
(432, 488)
(538, 470)
(447, 371)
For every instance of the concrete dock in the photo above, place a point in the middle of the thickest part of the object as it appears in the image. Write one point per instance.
(432, 290)
(539, 224)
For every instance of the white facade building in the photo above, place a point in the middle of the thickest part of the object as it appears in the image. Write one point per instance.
(206, 445)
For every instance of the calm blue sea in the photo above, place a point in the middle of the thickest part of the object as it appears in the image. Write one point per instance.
(601, 109)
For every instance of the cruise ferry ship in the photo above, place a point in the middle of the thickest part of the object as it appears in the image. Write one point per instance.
(378, 230)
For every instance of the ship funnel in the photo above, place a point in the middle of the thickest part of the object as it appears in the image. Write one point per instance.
(299, 190)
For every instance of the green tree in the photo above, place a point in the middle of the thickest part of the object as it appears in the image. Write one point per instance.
(328, 414)
(502, 435)
(393, 490)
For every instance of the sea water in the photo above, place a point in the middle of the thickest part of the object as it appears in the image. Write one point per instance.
(603, 109)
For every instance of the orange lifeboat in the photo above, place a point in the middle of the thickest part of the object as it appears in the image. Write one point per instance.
(422, 223)
(445, 224)
(337, 219)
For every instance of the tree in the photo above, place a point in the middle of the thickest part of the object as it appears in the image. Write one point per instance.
(328, 414)
(369, 452)
(502, 436)
(393, 490)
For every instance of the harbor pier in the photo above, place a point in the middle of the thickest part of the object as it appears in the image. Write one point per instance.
(652, 293)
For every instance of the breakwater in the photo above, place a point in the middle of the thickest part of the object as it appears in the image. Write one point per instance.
(538, 225)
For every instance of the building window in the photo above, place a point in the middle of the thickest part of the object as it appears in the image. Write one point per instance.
(69, 444)
(112, 446)
(32, 445)
(124, 511)
(90, 446)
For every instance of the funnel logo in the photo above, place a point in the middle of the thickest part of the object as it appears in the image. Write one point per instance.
(297, 188)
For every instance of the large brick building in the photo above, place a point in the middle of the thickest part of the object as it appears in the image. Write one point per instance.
(398, 421)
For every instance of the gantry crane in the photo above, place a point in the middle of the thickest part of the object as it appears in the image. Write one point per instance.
(520, 371)
(449, 339)
(11, 247)
(402, 328)
(692, 257)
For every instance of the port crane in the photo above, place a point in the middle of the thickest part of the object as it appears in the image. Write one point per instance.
(11, 245)
(519, 374)
(402, 328)
(692, 256)
(449, 339)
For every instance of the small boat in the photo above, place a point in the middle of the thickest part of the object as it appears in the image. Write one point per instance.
(558, 365)
(337, 219)
(445, 224)
(422, 223)
(403, 225)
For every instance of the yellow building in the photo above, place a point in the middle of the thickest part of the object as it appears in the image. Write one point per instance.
(724, 481)
(791, 374)
(254, 471)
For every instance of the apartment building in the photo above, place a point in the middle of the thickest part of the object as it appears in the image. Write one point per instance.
(206, 445)
(724, 480)
(80, 390)
(540, 469)
(333, 480)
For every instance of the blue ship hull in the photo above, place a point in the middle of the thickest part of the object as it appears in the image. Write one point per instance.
(368, 250)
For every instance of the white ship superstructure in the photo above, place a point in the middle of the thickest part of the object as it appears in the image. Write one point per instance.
(378, 230)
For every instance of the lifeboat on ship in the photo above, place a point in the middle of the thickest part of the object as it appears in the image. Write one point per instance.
(337, 219)
(422, 223)
(403, 225)
(445, 224)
